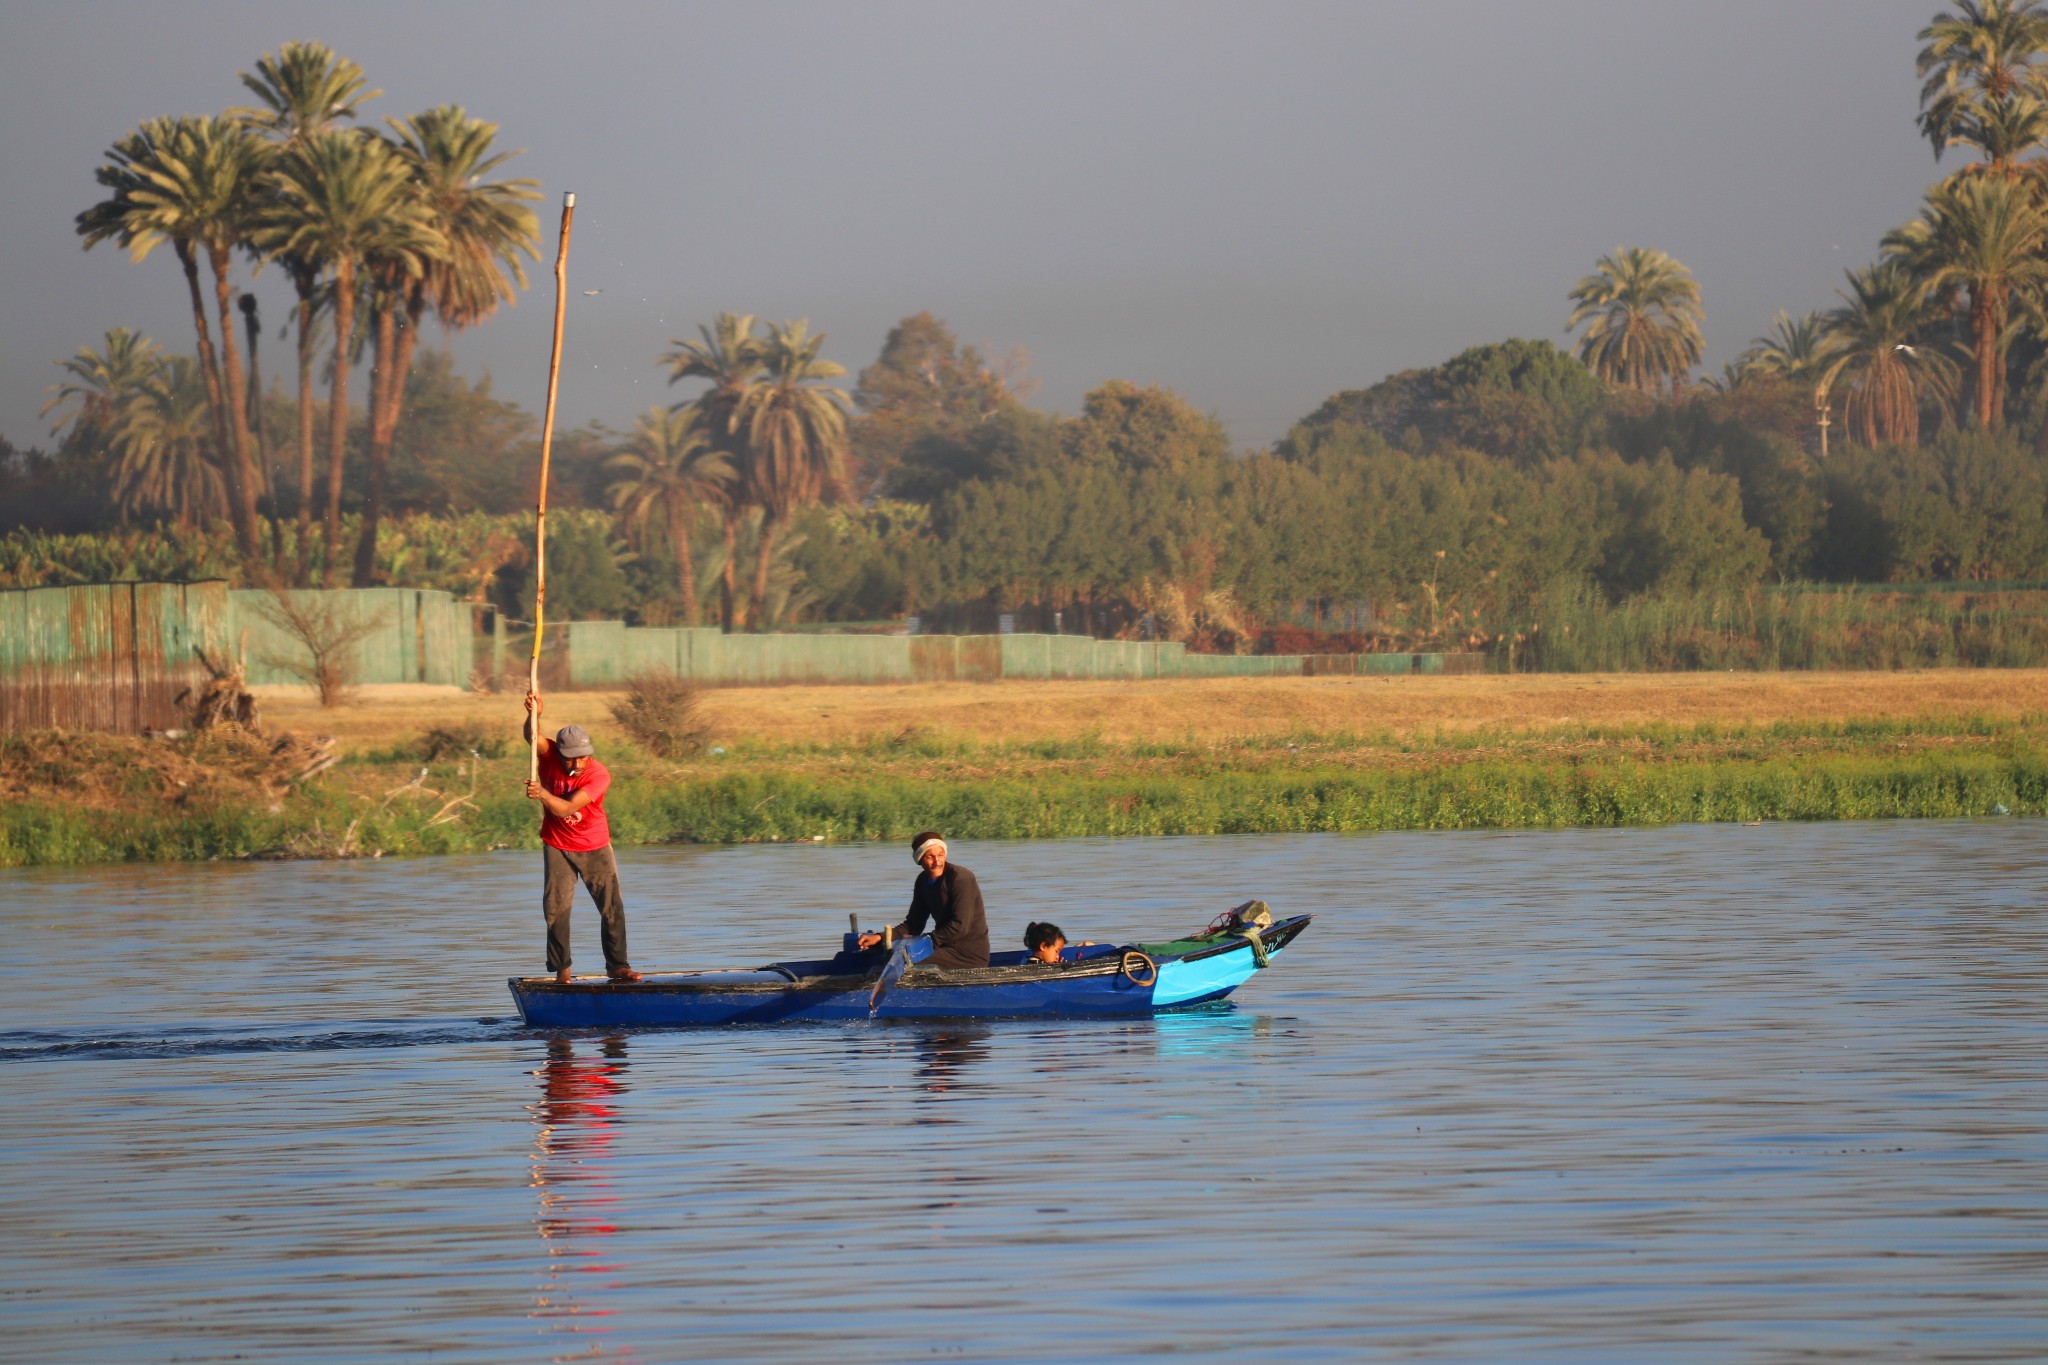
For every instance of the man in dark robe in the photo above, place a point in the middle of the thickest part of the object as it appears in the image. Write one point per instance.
(946, 896)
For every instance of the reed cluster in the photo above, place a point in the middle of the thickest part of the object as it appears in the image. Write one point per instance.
(1794, 627)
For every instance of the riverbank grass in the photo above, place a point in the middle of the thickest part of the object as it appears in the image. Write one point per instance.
(141, 802)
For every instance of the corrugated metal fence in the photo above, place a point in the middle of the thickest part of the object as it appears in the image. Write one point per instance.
(410, 635)
(116, 656)
(106, 656)
(606, 653)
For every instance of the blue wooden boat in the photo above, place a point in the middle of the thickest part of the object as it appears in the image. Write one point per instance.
(1100, 980)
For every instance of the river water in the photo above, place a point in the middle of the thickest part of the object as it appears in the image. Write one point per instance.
(1701, 1093)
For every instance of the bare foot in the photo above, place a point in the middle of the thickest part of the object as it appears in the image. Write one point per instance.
(564, 977)
(624, 974)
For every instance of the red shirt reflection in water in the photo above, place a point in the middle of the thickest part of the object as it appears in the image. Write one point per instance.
(577, 1117)
(573, 1094)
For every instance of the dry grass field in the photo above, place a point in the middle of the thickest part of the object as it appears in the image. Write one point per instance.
(1217, 709)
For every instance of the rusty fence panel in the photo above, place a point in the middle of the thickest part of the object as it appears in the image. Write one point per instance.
(979, 658)
(106, 656)
(934, 658)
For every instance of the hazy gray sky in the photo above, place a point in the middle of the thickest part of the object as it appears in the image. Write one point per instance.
(1257, 204)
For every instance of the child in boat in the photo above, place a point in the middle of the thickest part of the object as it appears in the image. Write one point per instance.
(1045, 942)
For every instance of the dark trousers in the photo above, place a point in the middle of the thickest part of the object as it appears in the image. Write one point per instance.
(599, 871)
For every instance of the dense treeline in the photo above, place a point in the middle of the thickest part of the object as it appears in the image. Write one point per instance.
(1898, 438)
(1465, 493)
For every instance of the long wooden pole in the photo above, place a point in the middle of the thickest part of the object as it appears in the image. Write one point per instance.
(540, 509)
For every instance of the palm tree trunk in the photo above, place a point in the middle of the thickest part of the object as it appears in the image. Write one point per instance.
(686, 563)
(209, 368)
(263, 465)
(337, 411)
(401, 368)
(764, 550)
(394, 343)
(1983, 325)
(1998, 384)
(305, 546)
(725, 582)
(383, 367)
(243, 508)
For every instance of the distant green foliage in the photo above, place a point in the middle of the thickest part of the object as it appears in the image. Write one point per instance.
(923, 395)
(586, 577)
(859, 561)
(461, 447)
(1969, 507)
(33, 559)
(1522, 400)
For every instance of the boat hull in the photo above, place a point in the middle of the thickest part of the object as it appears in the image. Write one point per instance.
(776, 995)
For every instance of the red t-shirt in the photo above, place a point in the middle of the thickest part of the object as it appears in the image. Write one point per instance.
(587, 829)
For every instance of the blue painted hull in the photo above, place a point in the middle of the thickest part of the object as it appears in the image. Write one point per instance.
(787, 993)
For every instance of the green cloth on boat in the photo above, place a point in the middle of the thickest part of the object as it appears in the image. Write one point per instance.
(1181, 947)
(1247, 921)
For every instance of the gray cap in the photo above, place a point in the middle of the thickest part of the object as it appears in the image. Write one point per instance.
(573, 741)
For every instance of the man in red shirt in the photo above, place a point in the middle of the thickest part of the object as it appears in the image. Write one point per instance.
(576, 843)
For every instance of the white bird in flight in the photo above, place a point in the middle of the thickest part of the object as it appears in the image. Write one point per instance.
(592, 293)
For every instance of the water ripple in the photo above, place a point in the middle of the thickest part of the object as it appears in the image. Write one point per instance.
(1699, 1094)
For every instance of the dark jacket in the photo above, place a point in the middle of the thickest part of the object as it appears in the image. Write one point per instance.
(952, 904)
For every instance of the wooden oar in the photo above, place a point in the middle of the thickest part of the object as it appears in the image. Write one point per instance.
(540, 511)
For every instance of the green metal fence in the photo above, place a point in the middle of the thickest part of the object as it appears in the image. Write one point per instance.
(409, 635)
(608, 653)
(117, 656)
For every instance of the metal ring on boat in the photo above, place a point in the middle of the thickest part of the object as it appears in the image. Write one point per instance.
(1142, 963)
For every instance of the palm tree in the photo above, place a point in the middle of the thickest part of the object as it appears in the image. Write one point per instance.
(2003, 131)
(189, 182)
(1643, 308)
(1871, 338)
(306, 89)
(1981, 82)
(485, 225)
(794, 439)
(1796, 349)
(339, 197)
(729, 355)
(671, 467)
(1984, 237)
(391, 269)
(160, 441)
(102, 382)
(487, 222)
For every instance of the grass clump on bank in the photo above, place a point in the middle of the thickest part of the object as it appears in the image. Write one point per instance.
(76, 799)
